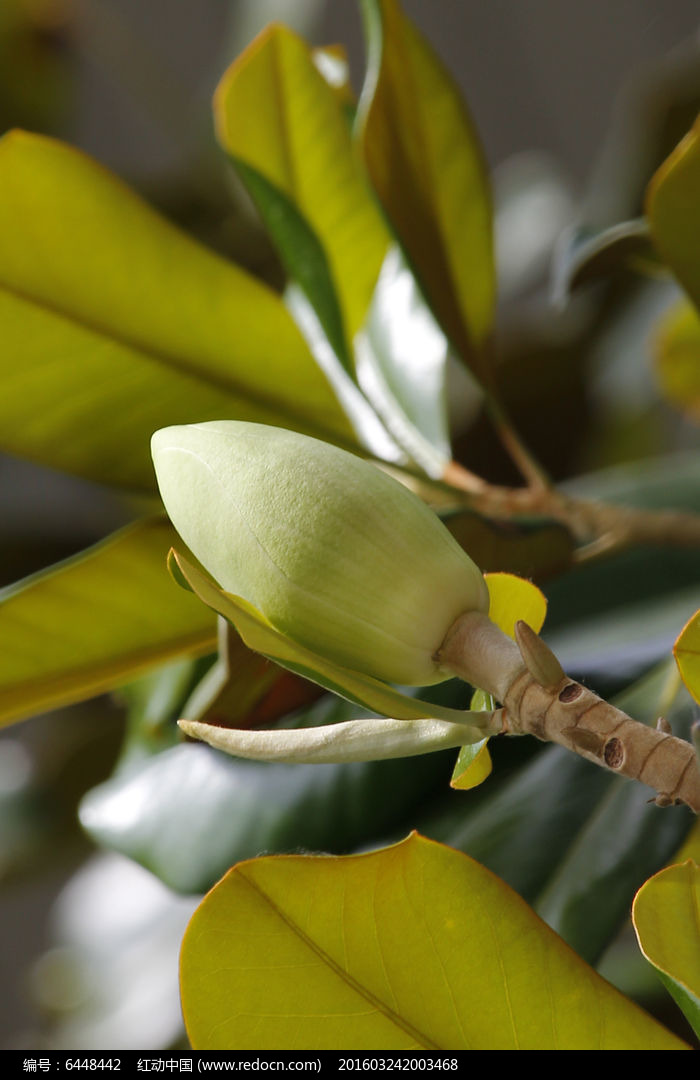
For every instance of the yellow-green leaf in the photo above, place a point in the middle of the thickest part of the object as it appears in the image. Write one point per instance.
(677, 348)
(426, 165)
(691, 846)
(667, 922)
(687, 653)
(673, 209)
(277, 115)
(95, 621)
(413, 947)
(115, 324)
(511, 598)
(473, 766)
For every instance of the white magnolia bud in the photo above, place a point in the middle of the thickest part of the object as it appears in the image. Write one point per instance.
(336, 554)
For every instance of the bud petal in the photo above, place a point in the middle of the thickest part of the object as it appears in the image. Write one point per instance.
(352, 740)
(335, 554)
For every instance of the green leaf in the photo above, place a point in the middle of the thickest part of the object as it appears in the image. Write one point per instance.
(332, 948)
(474, 763)
(673, 209)
(537, 548)
(610, 620)
(287, 133)
(624, 840)
(153, 704)
(96, 621)
(191, 812)
(302, 255)
(670, 480)
(426, 165)
(590, 256)
(622, 641)
(260, 636)
(233, 685)
(677, 349)
(401, 365)
(687, 653)
(116, 324)
(665, 917)
(573, 839)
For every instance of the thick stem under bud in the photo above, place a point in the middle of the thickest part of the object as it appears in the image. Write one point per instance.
(563, 711)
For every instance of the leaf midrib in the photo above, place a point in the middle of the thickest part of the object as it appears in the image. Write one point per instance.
(381, 1007)
(167, 360)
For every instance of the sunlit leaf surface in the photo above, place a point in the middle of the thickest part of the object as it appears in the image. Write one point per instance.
(286, 130)
(95, 621)
(115, 324)
(666, 919)
(426, 165)
(332, 950)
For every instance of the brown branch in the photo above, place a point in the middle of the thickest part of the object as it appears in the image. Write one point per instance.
(601, 527)
(540, 699)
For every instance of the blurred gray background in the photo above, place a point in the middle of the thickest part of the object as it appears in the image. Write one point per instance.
(539, 75)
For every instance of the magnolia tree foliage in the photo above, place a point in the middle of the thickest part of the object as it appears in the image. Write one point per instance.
(345, 596)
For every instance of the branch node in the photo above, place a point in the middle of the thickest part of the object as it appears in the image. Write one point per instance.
(589, 741)
(539, 659)
(570, 692)
(662, 724)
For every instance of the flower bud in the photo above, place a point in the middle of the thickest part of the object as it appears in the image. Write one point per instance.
(337, 555)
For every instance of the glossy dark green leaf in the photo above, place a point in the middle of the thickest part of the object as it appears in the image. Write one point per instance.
(116, 324)
(427, 168)
(612, 619)
(532, 548)
(573, 839)
(302, 255)
(191, 812)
